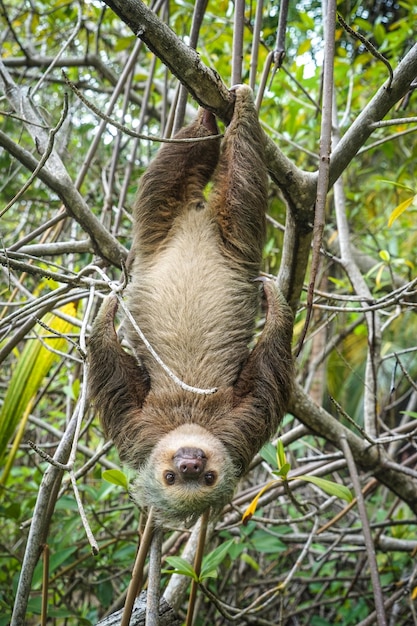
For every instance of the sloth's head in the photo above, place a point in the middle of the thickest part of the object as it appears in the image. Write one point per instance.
(188, 471)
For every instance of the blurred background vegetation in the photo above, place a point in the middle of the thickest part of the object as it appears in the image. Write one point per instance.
(42, 366)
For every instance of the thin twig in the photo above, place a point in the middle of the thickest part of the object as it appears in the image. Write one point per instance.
(256, 36)
(237, 54)
(369, 544)
(279, 52)
(301, 557)
(397, 121)
(200, 7)
(45, 584)
(65, 44)
(125, 129)
(352, 422)
(324, 163)
(137, 574)
(47, 457)
(93, 543)
(370, 47)
(197, 566)
(370, 486)
(154, 579)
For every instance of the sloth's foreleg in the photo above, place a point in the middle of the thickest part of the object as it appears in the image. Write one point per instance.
(118, 384)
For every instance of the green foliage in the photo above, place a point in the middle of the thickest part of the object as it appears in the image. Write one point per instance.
(32, 366)
(282, 471)
(116, 477)
(209, 566)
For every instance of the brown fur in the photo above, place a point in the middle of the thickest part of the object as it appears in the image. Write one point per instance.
(192, 293)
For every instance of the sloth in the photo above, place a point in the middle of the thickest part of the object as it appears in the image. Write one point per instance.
(195, 294)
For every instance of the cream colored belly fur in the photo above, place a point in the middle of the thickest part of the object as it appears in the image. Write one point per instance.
(188, 302)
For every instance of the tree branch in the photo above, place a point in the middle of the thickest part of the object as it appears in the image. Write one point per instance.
(203, 83)
(104, 244)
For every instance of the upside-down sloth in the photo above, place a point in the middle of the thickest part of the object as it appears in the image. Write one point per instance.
(193, 292)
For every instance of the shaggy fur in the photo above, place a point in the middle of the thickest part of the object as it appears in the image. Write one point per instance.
(192, 292)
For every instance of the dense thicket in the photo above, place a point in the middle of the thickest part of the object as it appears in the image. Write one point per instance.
(69, 179)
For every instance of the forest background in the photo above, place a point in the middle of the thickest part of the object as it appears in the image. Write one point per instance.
(342, 237)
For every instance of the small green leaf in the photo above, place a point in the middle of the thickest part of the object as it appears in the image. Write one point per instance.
(379, 33)
(209, 574)
(246, 558)
(116, 477)
(330, 487)
(269, 454)
(410, 413)
(267, 544)
(181, 566)
(283, 472)
(281, 457)
(212, 561)
(398, 185)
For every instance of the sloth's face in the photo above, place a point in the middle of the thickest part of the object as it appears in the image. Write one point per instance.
(188, 472)
(189, 466)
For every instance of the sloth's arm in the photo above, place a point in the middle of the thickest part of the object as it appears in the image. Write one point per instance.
(174, 182)
(118, 384)
(240, 190)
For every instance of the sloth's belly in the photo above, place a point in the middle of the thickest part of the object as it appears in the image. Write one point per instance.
(194, 306)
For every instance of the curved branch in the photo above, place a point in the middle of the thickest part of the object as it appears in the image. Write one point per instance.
(88, 61)
(203, 83)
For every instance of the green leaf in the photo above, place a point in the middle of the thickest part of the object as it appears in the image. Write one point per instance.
(283, 472)
(379, 33)
(330, 487)
(269, 454)
(246, 558)
(399, 185)
(212, 561)
(266, 543)
(181, 566)
(281, 457)
(116, 477)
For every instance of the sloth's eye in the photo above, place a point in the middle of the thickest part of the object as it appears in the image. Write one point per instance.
(209, 478)
(169, 478)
